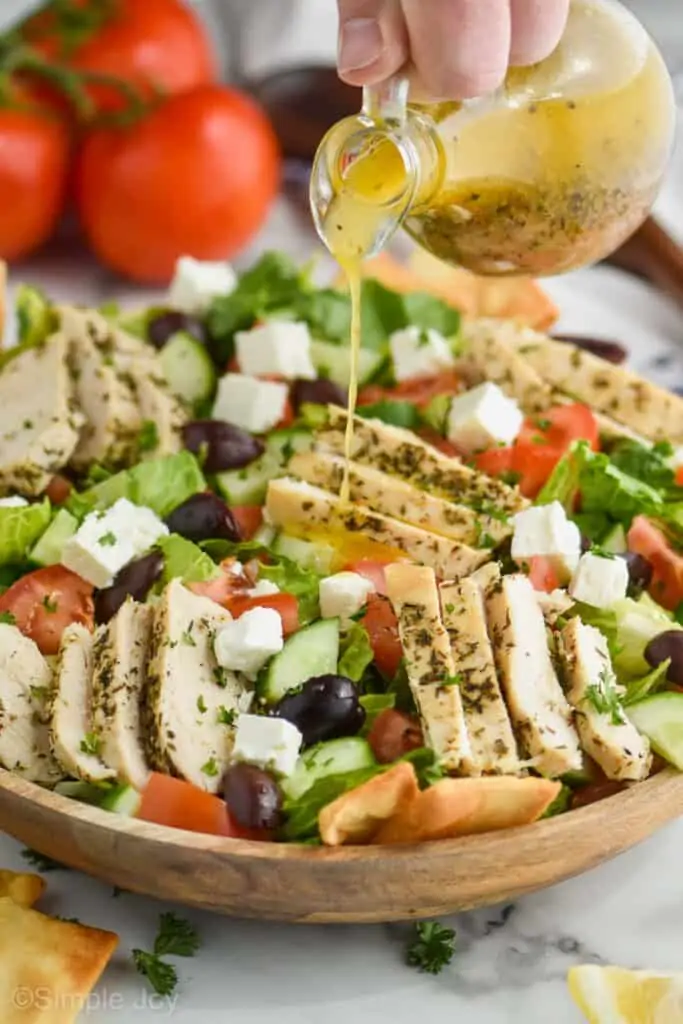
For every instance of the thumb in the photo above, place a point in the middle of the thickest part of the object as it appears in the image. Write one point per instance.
(373, 40)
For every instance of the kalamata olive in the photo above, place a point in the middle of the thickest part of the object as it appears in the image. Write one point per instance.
(668, 644)
(222, 445)
(137, 579)
(164, 325)
(317, 392)
(325, 708)
(639, 573)
(611, 351)
(204, 517)
(253, 797)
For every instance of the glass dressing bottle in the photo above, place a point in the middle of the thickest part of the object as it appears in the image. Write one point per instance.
(552, 172)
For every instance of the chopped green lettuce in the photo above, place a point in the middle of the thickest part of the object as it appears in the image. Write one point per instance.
(302, 814)
(560, 804)
(184, 560)
(304, 584)
(653, 682)
(356, 653)
(436, 413)
(36, 318)
(160, 484)
(629, 625)
(650, 465)
(374, 704)
(20, 528)
(563, 483)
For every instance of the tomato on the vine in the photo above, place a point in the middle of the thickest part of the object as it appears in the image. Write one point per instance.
(158, 46)
(196, 176)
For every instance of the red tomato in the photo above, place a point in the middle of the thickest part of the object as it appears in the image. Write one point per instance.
(286, 605)
(495, 461)
(288, 416)
(156, 46)
(370, 570)
(533, 464)
(225, 586)
(561, 426)
(46, 601)
(394, 734)
(59, 489)
(197, 176)
(667, 578)
(34, 161)
(249, 518)
(442, 444)
(419, 390)
(594, 792)
(178, 804)
(542, 574)
(679, 476)
(382, 626)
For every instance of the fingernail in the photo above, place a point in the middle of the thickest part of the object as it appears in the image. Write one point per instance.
(360, 44)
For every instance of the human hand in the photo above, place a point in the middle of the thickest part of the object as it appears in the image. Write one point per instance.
(455, 49)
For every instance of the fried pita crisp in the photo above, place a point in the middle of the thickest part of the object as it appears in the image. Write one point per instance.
(47, 967)
(356, 816)
(464, 807)
(21, 888)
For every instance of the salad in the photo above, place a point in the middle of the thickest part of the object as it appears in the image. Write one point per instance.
(196, 630)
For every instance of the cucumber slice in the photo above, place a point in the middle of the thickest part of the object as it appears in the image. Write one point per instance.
(84, 792)
(248, 486)
(265, 535)
(313, 651)
(48, 550)
(660, 718)
(336, 757)
(282, 444)
(188, 368)
(615, 541)
(122, 800)
(318, 557)
(334, 362)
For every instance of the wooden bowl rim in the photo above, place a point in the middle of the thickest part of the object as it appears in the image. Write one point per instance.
(619, 805)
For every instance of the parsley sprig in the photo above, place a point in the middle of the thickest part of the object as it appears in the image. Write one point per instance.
(433, 947)
(175, 937)
(40, 862)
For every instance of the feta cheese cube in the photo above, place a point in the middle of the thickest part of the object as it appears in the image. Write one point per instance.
(483, 418)
(264, 588)
(545, 530)
(254, 405)
(106, 541)
(13, 502)
(599, 581)
(418, 353)
(270, 743)
(197, 283)
(246, 644)
(344, 594)
(280, 347)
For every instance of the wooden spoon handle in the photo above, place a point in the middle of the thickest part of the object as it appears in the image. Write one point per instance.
(653, 254)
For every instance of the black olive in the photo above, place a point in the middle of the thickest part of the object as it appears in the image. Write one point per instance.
(317, 392)
(668, 644)
(325, 708)
(221, 445)
(163, 326)
(253, 797)
(137, 579)
(610, 351)
(639, 573)
(204, 517)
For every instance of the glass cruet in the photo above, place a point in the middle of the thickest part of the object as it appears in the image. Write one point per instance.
(552, 172)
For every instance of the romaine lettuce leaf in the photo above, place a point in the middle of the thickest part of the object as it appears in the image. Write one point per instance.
(638, 689)
(184, 560)
(160, 484)
(302, 814)
(293, 579)
(629, 625)
(20, 528)
(356, 653)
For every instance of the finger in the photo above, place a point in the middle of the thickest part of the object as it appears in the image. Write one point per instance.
(373, 41)
(460, 48)
(537, 27)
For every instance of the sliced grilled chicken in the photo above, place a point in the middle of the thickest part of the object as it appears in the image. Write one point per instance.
(401, 453)
(295, 503)
(488, 722)
(119, 676)
(74, 741)
(40, 423)
(540, 714)
(554, 605)
(494, 351)
(606, 733)
(189, 698)
(25, 693)
(435, 687)
(401, 500)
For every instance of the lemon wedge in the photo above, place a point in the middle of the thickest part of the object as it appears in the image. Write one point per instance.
(613, 995)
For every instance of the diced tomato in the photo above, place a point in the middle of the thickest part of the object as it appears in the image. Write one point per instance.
(442, 444)
(370, 570)
(59, 489)
(46, 601)
(382, 626)
(232, 580)
(419, 390)
(542, 574)
(495, 461)
(286, 605)
(394, 734)
(560, 426)
(178, 804)
(679, 476)
(667, 577)
(288, 416)
(233, 366)
(533, 464)
(249, 519)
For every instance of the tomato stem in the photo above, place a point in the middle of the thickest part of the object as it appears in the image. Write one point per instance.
(70, 23)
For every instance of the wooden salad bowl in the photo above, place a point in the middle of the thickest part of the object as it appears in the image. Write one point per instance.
(316, 885)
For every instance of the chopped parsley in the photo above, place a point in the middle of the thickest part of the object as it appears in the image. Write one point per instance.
(432, 948)
(188, 639)
(449, 608)
(148, 438)
(226, 717)
(201, 704)
(210, 768)
(454, 680)
(107, 540)
(220, 676)
(40, 862)
(8, 618)
(605, 699)
(91, 744)
(175, 937)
